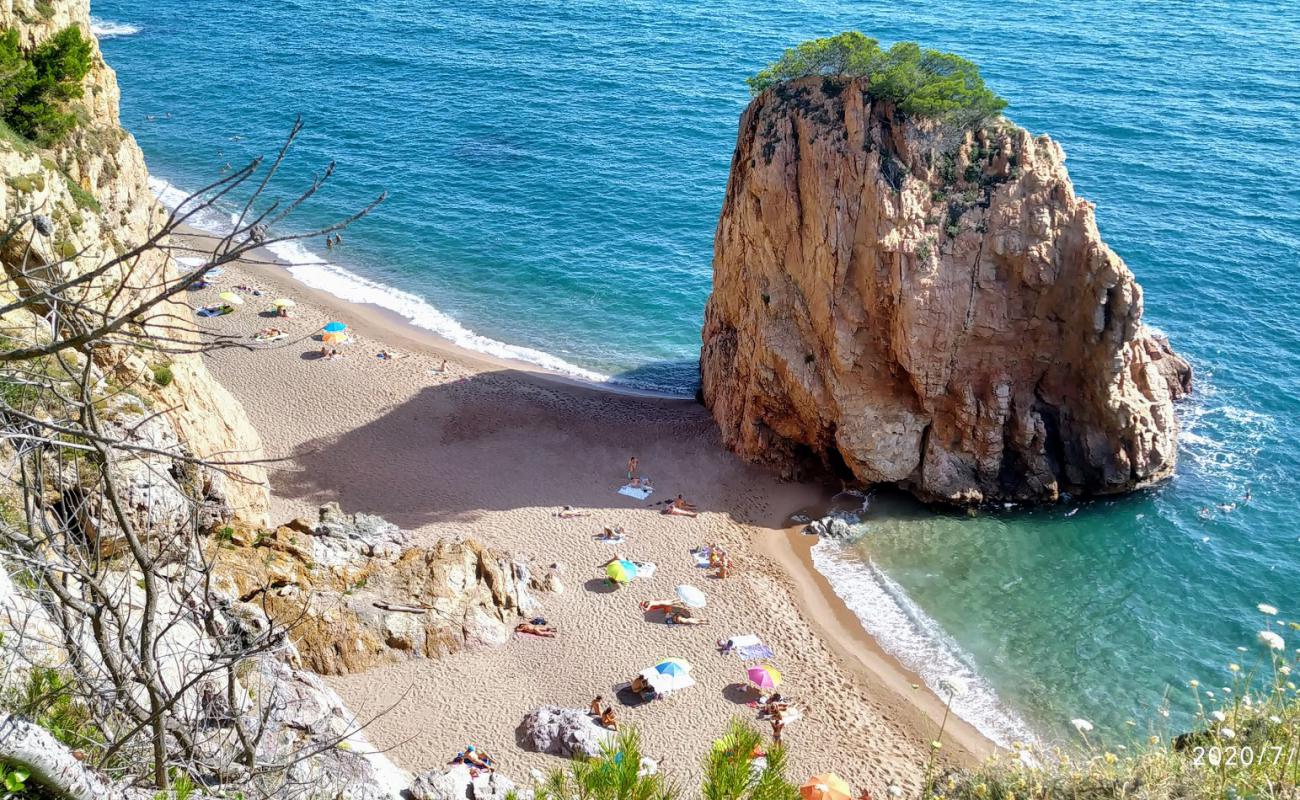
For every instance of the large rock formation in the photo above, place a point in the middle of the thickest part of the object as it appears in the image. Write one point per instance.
(906, 304)
(355, 594)
(94, 188)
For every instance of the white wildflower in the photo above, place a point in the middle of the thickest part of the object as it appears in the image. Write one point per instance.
(1081, 725)
(1275, 719)
(1193, 683)
(954, 687)
(895, 790)
(1271, 640)
(1284, 669)
(1265, 608)
(1227, 733)
(1218, 715)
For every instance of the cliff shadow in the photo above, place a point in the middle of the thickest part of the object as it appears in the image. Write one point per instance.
(510, 439)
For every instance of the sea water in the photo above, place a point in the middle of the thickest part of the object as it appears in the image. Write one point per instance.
(555, 171)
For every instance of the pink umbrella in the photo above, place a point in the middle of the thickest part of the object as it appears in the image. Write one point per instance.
(764, 677)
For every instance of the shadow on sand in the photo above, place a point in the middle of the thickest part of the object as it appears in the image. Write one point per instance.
(506, 440)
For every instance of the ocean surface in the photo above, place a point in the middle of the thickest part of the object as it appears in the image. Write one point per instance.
(555, 172)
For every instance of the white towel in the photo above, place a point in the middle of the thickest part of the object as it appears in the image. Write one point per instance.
(744, 640)
(638, 492)
(645, 569)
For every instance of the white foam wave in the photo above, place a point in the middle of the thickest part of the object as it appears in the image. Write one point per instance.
(1221, 439)
(320, 274)
(107, 29)
(906, 632)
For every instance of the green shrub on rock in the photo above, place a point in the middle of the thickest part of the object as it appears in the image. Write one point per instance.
(35, 84)
(921, 82)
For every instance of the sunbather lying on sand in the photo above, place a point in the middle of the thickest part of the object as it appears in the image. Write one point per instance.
(545, 631)
(679, 507)
(569, 512)
(268, 333)
(657, 605)
(683, 616)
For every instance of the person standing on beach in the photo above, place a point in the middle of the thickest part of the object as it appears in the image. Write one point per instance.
(632, 464)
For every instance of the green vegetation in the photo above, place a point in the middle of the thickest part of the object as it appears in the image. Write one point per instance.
(26, 184)
(616, 773)
(924, 83)
(162, 375)
(81, 197)
(35, 85)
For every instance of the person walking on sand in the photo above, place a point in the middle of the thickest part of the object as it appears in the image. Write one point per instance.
(632, 465)
(777, 727)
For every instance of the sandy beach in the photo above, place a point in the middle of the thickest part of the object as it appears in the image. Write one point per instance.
(490, 450)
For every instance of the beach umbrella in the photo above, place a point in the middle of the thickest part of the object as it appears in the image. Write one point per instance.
(335, 327)
(232, 298)
(621, 571)
(764, 676)
(828, 786)
(283, 302)
(673, 666)
(691, 596)
(670, 676)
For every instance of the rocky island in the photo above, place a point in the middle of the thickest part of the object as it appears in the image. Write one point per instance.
(900, 300)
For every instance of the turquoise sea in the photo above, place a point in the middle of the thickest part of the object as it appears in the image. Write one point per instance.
(555, 172)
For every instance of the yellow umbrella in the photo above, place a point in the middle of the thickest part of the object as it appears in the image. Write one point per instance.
(232, 298)
(283, 302)
(826, 787)
(621, 571)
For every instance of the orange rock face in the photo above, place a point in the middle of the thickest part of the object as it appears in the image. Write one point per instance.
(932, 308)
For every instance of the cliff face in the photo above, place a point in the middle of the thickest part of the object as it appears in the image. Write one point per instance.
(907, 306)
(94, 186)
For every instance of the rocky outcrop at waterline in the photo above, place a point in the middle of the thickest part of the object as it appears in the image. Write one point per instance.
(901, 303)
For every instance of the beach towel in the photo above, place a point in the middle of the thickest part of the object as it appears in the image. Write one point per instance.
(747, 652)
(615, 540)
(743, 640)
(701, 555)
(645, 569)
(638, 492)
(211, 312)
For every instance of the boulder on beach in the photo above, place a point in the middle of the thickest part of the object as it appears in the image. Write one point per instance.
(563, 732)
(456, 783)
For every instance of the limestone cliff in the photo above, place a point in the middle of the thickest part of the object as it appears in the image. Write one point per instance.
(94, 187)
(905, 304)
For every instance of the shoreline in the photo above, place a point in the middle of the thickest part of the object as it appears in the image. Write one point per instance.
(767, 552)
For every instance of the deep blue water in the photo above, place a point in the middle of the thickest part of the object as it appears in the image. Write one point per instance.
(555, 172)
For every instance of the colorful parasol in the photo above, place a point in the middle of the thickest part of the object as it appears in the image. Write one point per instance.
(232, 298)
(764, 676)
(621, 571)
